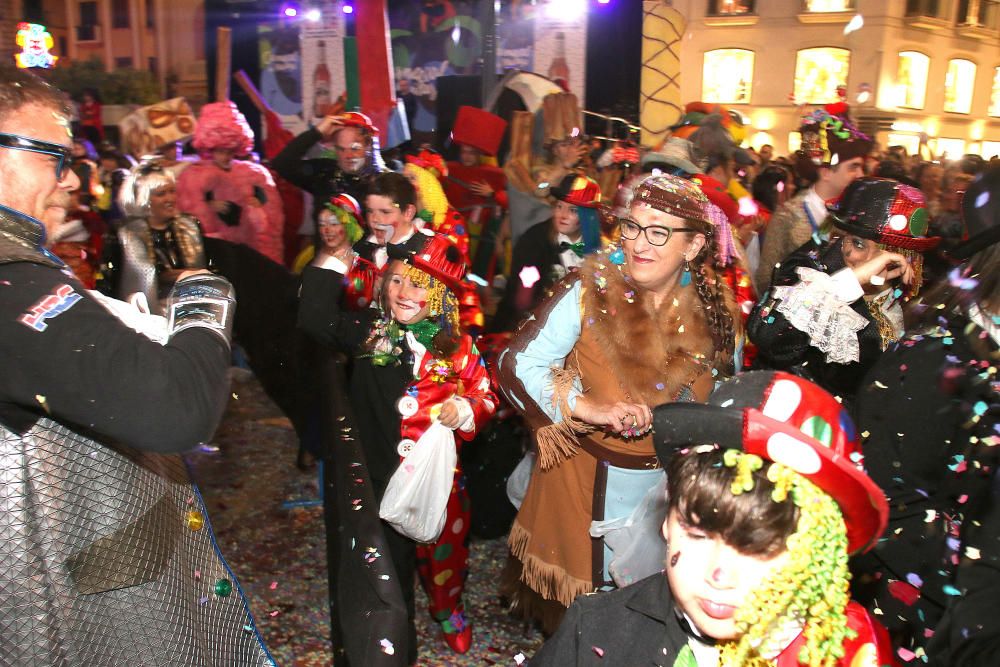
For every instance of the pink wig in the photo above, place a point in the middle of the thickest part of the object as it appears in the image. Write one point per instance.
(221, 125)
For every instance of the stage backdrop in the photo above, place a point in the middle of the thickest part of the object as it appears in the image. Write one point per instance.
(281, 73)
(323, 77)
(444, 38)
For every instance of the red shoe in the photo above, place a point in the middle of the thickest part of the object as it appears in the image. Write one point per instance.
(460, 642)
(457, 631)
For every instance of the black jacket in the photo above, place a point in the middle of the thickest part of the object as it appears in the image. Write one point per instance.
(320, 177)
(927, 411)
(66, 357)
(374, 391)
(534, 248)
(781, 346)
(633, 626)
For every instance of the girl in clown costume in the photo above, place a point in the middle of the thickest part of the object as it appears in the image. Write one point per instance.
(337, 230)
(434, 212)
(413, 366)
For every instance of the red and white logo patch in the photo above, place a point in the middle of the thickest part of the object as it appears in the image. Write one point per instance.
(52, 305)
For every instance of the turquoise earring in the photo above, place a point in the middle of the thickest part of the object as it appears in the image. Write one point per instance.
(686, 275)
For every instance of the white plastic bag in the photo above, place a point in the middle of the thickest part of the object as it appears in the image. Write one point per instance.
(416, 497)
(517, 483)
(636, 540)
(753, 253)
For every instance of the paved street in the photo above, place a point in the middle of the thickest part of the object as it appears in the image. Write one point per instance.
(278, 553)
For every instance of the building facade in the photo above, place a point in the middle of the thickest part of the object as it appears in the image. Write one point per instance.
(166, 37)
(924, 74)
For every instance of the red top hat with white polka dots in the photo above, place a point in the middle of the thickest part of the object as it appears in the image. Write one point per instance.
(782, 418)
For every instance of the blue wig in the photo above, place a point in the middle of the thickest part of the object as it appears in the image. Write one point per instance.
(590, 229)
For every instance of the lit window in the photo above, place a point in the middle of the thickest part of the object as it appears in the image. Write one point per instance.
(818, 72)
(958, 85)
(949, 148)
(995, 94)
(828, 5)
(727, 7)
(728, 76)
(990, 149)
(794, 141)
(911, 79)
(911, 142)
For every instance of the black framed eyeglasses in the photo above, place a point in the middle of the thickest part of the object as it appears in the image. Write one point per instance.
(63, 154)
(655, 234)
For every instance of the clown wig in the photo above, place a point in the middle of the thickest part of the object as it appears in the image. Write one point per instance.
(222, 126)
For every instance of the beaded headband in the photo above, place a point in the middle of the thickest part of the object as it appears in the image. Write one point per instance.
(675, 196)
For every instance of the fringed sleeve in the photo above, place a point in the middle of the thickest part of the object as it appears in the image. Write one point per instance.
(533, 377)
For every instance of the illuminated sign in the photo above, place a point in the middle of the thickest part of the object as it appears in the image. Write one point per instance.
(35, 42)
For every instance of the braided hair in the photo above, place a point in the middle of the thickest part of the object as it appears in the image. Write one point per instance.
(713, 292)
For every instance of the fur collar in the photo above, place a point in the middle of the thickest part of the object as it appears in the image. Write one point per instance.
(655, 353)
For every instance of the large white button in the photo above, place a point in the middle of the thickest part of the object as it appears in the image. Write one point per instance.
(404, 447)
(407, 406)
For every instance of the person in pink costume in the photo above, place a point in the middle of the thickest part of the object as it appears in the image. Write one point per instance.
(235, 200)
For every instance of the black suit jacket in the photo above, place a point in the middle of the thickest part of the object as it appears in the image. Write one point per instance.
(633, 626)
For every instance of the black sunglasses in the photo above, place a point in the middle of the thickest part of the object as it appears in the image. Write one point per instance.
(19, 143)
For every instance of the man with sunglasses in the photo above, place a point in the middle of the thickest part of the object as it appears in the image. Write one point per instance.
(100, 531)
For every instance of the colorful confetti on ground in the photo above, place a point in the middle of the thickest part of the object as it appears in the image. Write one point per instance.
(247, 477)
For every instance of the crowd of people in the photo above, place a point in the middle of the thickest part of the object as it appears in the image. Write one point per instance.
(760, 391)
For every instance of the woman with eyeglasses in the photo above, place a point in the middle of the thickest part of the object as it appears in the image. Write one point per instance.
(157, 241)
(639, 324)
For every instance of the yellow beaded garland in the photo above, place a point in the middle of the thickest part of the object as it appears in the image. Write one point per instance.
(813, 586)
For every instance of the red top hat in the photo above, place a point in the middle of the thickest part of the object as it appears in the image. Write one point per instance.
(440, 258)
(479, 129)
(782, 418)
(578, 190)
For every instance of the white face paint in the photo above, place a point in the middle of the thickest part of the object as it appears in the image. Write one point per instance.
(383, 233)
(354, 165)
(386, 220)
